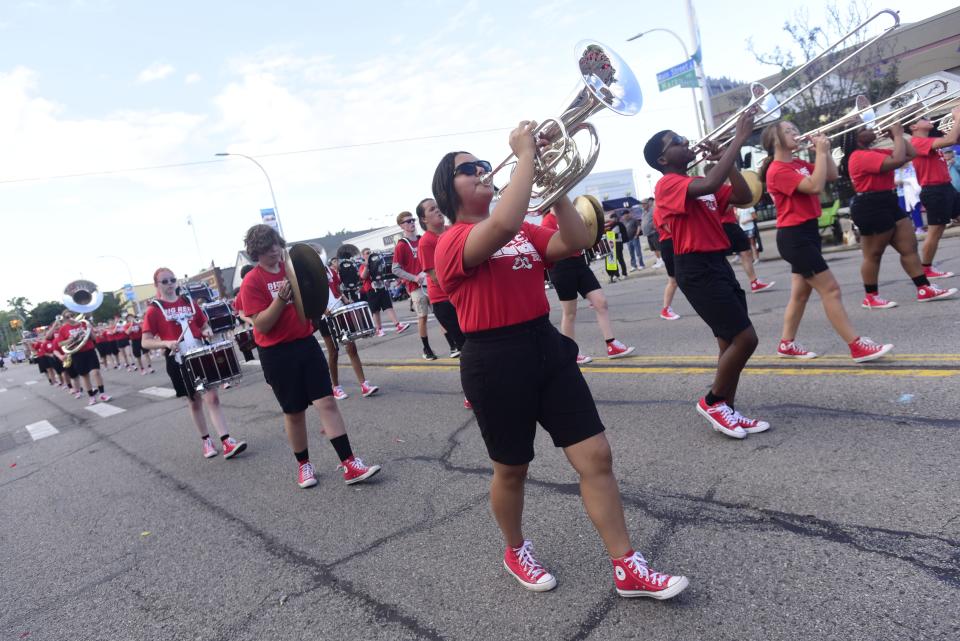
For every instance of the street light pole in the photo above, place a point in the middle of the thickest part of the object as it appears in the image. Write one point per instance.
(686, 54)
(276, 211)
(136, 304)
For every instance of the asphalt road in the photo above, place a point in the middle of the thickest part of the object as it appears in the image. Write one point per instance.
(841, 522)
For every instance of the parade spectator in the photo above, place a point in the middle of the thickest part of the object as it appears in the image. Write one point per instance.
(632, 226)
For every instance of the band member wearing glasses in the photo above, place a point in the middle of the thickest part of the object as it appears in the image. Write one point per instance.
(407, 268)
(432, 223)
(937, 194)
(691, 207)
(795, 187)
(162, 329)
(571, 276)
(878, 216)
(84, 362)
(293, 363)
(517, 370)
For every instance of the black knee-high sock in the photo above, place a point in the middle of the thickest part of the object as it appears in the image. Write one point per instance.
(342, 445)
(713, 399)
(304, 456)
(91, 392)
(223, 439)
(100, 387)
(871, 289)
(426, 343)
(921, 281)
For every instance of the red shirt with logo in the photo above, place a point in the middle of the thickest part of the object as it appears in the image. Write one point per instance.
(506, 289)
(864, 168)
(39, 348)
(793, 206)
(426, 255)
(164, 324)
(133, 330)
(929, 162)
(258, 290)
(550, 222)
(49, 346)
(405, 255)
(70, 330)
(694, 222)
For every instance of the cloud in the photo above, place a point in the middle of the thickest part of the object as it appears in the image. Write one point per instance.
(156, 71)
(192, 78)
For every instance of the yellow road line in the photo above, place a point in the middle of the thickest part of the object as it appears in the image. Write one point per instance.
(750, 371)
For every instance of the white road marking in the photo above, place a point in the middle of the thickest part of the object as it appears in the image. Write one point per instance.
(162, 392)
(252, 363)
(103, 410)
(30, 383)
(41, 429)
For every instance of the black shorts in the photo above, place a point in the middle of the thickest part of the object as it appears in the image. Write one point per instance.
(178, 377)
(71, 372)
(942, 203)
(737, 237)
(102, 349)
(446, 315)
(666, 254)
(378, 300)
(297, 372)
(521, 375)
(110, 347)
(799, 245)
(123, 342)
(54, 363)
(708, 282)
(572, 276)
(653, 242)
(85, 362)
(876, 212)
(322, 326)
(42, 364)
(136, 344)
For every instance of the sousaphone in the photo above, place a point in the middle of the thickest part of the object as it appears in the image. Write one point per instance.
(308, 280)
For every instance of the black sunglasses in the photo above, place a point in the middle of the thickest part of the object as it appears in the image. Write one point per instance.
(470, 168)
(408, 220)
(167, 281)
(676, 140)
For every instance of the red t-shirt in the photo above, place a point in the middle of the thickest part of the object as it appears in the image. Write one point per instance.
(550, 222)
(694, 222)
(929, 162)
(133, 330)
(663, 231)
(793, 207)
(405, 255)
(504, 290)
(864, 168)
(426, 256)
(729, 216)
(49, 346)
(258, 290)
(365, 283)
(39, 348)
(164, 325)
(70, 330)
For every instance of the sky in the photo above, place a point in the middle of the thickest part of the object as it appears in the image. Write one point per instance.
(347, 105)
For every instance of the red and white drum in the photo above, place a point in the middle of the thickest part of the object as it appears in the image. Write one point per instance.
(351, 322)
(602, 248)
(211, 365)
(244, 338)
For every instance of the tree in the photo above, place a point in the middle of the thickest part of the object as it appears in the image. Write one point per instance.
(45, 313)
(871, 73)
(110, 308)
(19, 304)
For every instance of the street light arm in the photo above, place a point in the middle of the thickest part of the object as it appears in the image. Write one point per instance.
(276, 210)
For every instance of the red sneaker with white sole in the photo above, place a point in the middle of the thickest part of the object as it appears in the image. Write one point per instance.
(339, 394)
(931, 292)
(932, 272)
(793, 349)
(525, 568)
(466, 404)
(875, 301)
(864, 349)
(232, 447)
(368, 389)
(667, 313)
(750, 425)
(616, 349)
(402, 327)
(583, 359)
(355, 471)
(721, 418)
(760, 286)
(305, 475)
(209, 451)
(634, 578)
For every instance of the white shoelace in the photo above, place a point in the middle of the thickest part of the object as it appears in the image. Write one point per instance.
(306, 469)
(355, 463)
(638, 565)
(726, 412)
(795, 346)
(863, 341)
(527, 562)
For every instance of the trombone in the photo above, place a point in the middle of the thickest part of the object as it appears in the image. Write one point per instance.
(766, 105)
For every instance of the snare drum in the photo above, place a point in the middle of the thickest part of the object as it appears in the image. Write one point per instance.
(210, 365)
(351, 322)
(219, 316)
(244, 340)
(602, 248)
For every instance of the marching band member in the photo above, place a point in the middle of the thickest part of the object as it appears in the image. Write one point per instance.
(134, 331)
(374, 291)
(665, 241)
(165, 325)
(517, 369)
(572, 276)
(937, 194)
(293, 363)
(431, 221)
(84, 362)
(795, 187)
(878, 216)
(407, 268)
(123, 343)
(690, 207)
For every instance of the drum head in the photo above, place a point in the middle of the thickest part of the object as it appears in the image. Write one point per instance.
(308, 275)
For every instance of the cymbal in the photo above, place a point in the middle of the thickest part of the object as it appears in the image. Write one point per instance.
(591, 211)
(308, 278)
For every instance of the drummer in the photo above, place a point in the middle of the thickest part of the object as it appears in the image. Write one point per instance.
(292, 360)
(162, 330)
